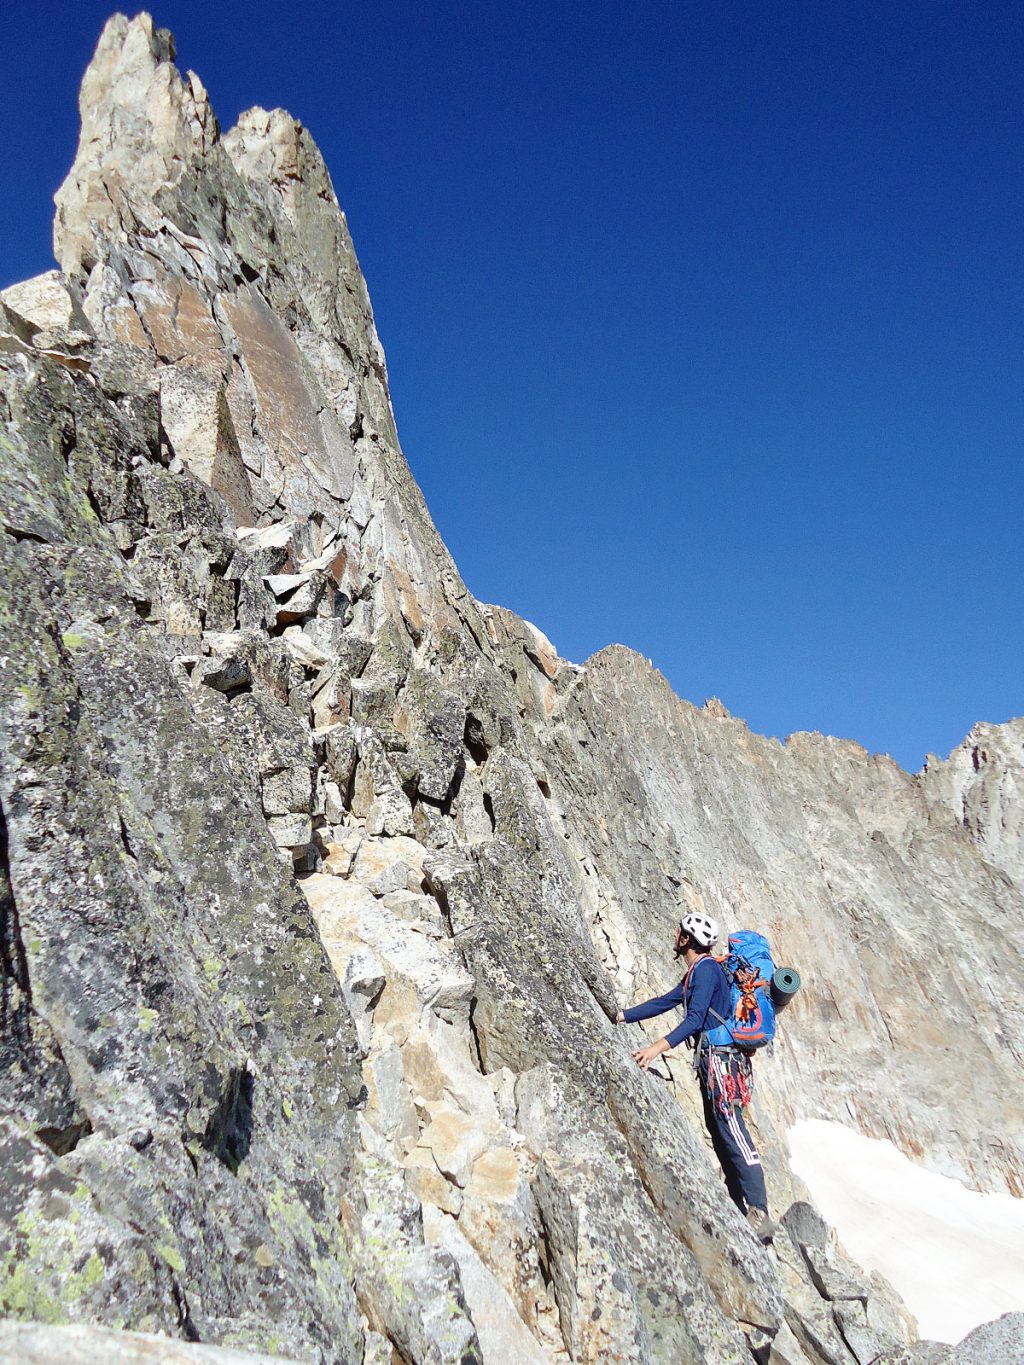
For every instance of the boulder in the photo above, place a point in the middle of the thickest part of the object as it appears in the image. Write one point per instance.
(43, 301)
(865, 1341)
(830, 1281)
(350, 917)
(361, 985)
(31, 1343)
(223, 675)
(436, 720)
(411, 1291)
(503, 1334)
(455, 1140)
(386, 865)
(1000, 1342)
(420, 911)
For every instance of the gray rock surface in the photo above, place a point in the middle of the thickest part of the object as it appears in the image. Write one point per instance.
(858, 873)
(322, 883)
(994, 1343)
(26, 1343)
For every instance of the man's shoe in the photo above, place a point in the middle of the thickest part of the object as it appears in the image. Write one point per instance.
(763, 1227)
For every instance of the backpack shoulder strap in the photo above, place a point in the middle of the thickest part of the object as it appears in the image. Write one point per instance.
(693, 967)
(720, 961)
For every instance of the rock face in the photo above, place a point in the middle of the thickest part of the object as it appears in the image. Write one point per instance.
(321, 883)
(32, 1344)
(899, 897)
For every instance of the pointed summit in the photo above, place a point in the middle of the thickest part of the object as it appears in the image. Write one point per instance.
(142, 124)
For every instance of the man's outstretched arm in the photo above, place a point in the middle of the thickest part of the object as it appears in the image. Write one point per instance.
(660, 1004)
(696, 1016)
(701, 995)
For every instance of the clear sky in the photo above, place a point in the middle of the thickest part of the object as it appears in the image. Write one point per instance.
(704, 320)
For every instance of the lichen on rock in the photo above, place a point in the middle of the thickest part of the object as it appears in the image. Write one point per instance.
(322, 883)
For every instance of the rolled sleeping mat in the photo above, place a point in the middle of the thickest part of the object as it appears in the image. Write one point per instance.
(785, 984)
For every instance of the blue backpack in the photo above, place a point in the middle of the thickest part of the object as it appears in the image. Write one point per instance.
(749, 968)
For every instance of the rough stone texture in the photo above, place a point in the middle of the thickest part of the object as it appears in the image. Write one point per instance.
(503, 1336)
(858, 873)
(982, 787)
(24, 1343)
(410, 1290)
(994, 1343)
(46, 305)
(322, 884)
(158, 949)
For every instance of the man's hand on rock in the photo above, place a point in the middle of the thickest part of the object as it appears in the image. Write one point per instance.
(646, 1055)
(620, 1018)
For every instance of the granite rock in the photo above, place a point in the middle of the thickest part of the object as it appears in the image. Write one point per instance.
(322, 884)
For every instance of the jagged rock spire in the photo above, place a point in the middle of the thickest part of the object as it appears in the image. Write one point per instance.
(142, 126)
(225, 267)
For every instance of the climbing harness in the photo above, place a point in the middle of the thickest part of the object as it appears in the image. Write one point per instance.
(728, 1076)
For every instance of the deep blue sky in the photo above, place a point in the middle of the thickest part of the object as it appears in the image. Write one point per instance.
(704, 321)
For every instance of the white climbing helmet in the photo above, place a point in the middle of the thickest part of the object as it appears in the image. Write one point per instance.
(701, 928)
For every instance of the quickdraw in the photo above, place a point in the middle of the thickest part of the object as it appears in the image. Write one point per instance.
(730, 1080)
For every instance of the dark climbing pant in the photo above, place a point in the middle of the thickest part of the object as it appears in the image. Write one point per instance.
(730, 1137)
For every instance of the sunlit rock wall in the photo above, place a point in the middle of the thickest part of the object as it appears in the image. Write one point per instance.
(323, 882)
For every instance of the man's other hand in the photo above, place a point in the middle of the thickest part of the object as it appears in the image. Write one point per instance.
(646, 1055)
(620, 1018)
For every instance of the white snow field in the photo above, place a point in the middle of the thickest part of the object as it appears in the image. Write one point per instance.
(955, 1256)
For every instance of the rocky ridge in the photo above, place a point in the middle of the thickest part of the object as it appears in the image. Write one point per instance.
(323, 881)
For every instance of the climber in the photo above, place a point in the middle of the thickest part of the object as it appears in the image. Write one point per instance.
(726, 1077)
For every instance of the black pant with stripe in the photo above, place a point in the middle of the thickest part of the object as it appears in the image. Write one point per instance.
(730, 1137)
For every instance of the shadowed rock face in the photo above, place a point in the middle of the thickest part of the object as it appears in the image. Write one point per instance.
(322, 882)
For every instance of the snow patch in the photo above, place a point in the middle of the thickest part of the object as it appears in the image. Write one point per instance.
(955, 1256)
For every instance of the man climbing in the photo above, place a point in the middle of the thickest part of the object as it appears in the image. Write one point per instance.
(726, 1077)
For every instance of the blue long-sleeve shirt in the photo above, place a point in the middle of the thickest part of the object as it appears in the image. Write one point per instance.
(703, 989)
